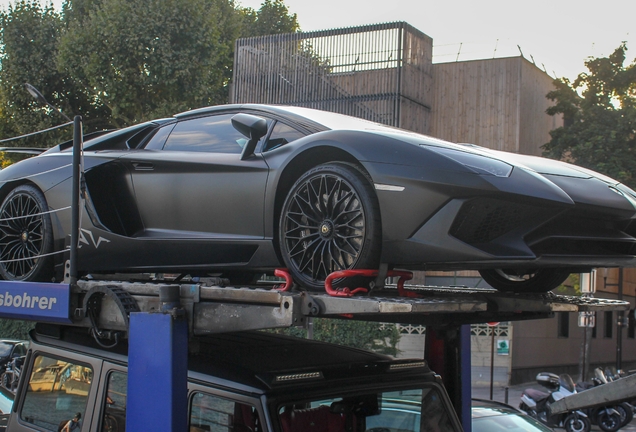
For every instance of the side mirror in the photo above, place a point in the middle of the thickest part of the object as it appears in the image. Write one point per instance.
(254, 128)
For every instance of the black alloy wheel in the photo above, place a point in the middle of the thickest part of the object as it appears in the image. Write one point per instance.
(26, 236)
(330, 221)
(525, 280)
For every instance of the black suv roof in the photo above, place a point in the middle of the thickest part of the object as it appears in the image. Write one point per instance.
(258, 360)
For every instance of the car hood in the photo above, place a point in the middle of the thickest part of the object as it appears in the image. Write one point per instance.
(537, 164)
(544, 165)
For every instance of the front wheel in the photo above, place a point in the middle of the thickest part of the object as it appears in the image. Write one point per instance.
(576, 423)
(524, 280)
(330, 221)
(26, 236)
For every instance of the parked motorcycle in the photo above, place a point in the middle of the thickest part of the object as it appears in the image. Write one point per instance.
(537, 403)
(603, 416)
(11, 376)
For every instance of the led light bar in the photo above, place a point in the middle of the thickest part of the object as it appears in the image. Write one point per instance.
(298, 377)
(411, 365)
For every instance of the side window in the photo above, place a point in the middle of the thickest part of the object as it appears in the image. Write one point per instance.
(114, 412)
(281, 135)
(58, 391)
(212, 413)
(213, 134)
(157, 141)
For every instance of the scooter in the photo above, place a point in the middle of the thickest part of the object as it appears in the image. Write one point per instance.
(537, 403)
(605, 416)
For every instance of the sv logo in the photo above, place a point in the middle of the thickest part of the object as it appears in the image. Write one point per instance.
(84, 240)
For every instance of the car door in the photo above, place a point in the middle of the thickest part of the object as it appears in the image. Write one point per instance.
(194, 185)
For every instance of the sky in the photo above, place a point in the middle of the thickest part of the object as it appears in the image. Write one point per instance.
(558, 35)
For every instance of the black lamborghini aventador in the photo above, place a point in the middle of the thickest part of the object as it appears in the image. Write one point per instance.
(243, 189)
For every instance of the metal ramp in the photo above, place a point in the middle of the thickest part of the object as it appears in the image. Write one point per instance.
(214, 309)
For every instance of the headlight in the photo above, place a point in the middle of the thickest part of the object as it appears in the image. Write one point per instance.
(478, 163)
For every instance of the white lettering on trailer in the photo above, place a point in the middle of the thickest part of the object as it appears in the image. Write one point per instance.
(26, 301)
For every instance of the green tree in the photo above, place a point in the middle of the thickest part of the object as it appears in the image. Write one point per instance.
(118, 62)
(370, 336)
(15, 329)
(599, 112)
(273, 17)
(29, 34)
(144, 59)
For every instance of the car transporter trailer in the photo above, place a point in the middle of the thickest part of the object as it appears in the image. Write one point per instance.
(157, 317)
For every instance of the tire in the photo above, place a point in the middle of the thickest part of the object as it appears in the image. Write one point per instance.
(330, 221)
(26, 233)
(626, 411)
(576, 423)
(529, 281)
(609, 422)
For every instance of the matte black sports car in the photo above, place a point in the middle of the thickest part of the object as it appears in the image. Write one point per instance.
(242, 189)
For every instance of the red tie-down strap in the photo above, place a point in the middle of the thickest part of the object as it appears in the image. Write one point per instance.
(346, 292)
(284, 273)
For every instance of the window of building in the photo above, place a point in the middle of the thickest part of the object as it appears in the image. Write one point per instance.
(563, 324)
(595, 325)
(608, 327)
(57, 391)
(631, 324)
(212, 413)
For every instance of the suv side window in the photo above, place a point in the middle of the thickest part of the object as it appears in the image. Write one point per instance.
(114, 412)
(213, 134)
(57, 390)
(212, 413)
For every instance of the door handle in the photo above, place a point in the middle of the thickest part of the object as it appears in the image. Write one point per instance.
(143, 166)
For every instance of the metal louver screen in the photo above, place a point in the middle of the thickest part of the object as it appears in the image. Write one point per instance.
(379, 72)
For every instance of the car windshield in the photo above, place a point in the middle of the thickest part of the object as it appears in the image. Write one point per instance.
(491, 419)
(411, 410)
(5, 349)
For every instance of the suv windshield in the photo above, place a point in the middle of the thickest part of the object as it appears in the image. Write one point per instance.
(411, 410)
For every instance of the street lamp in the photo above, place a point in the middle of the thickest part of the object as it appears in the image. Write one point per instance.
(38, 96)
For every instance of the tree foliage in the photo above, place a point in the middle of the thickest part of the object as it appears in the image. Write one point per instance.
(272, 18)
(29, 34)
(15, 329)
(599, 112)
(370, 336)
(119, 62)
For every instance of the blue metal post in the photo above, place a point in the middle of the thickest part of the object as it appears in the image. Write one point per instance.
(157, 372)
(466, 377)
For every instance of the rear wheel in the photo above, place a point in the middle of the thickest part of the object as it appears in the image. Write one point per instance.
(330, 221)
(626, 411)
(26, 236)
(525, 280)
